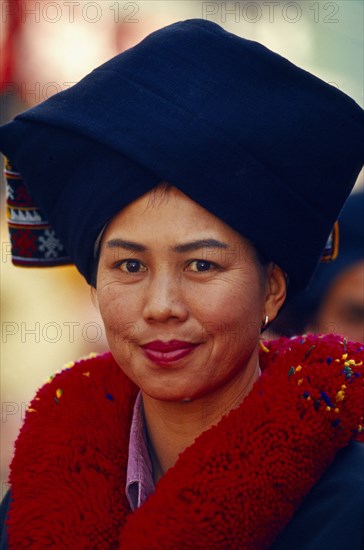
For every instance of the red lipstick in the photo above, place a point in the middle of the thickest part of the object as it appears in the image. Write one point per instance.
(165, 353)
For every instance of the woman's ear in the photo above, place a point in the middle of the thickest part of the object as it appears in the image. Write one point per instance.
(276, 291)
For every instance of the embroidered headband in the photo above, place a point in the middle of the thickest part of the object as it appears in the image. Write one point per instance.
(33, 240)
(263, 145)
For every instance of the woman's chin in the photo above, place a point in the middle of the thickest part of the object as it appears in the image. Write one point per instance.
(170, 395)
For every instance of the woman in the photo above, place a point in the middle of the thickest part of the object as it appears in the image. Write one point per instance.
(193, 180)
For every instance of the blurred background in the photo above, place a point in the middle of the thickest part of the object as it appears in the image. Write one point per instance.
(47, 315)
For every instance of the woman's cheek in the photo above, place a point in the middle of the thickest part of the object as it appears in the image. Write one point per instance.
(119, 313)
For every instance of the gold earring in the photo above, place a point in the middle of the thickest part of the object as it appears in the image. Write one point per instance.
(265, 322)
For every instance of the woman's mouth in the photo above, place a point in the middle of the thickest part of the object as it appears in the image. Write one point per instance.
(165, 353)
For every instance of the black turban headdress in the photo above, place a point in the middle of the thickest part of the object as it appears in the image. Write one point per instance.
(265, 146)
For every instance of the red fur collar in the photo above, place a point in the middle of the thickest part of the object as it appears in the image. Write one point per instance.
(237, 486)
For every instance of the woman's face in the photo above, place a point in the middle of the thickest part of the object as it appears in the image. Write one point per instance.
(342, 310)
(182, 297)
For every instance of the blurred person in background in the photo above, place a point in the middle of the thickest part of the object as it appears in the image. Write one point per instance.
(334, 300)
(171, 179)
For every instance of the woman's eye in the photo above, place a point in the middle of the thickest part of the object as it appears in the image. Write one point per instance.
(200, 265)
(131, 266)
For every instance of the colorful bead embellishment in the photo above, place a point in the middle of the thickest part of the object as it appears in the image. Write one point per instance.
(59, 393)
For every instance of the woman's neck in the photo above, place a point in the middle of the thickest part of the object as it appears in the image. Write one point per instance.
(174, 426)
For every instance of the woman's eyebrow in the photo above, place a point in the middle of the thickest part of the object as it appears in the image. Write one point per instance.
(201, 243)
(183, 247)
(129, 245)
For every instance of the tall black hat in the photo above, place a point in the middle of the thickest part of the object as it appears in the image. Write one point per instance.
(270, 149)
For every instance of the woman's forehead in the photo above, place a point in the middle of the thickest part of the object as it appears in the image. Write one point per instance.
(167, 222)
(166, 211)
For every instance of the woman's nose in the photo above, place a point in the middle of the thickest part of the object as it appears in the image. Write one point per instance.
(163, 300)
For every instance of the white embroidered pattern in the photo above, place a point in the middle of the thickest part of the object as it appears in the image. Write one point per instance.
(28, 217)
(9, 192)
(49, 244)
